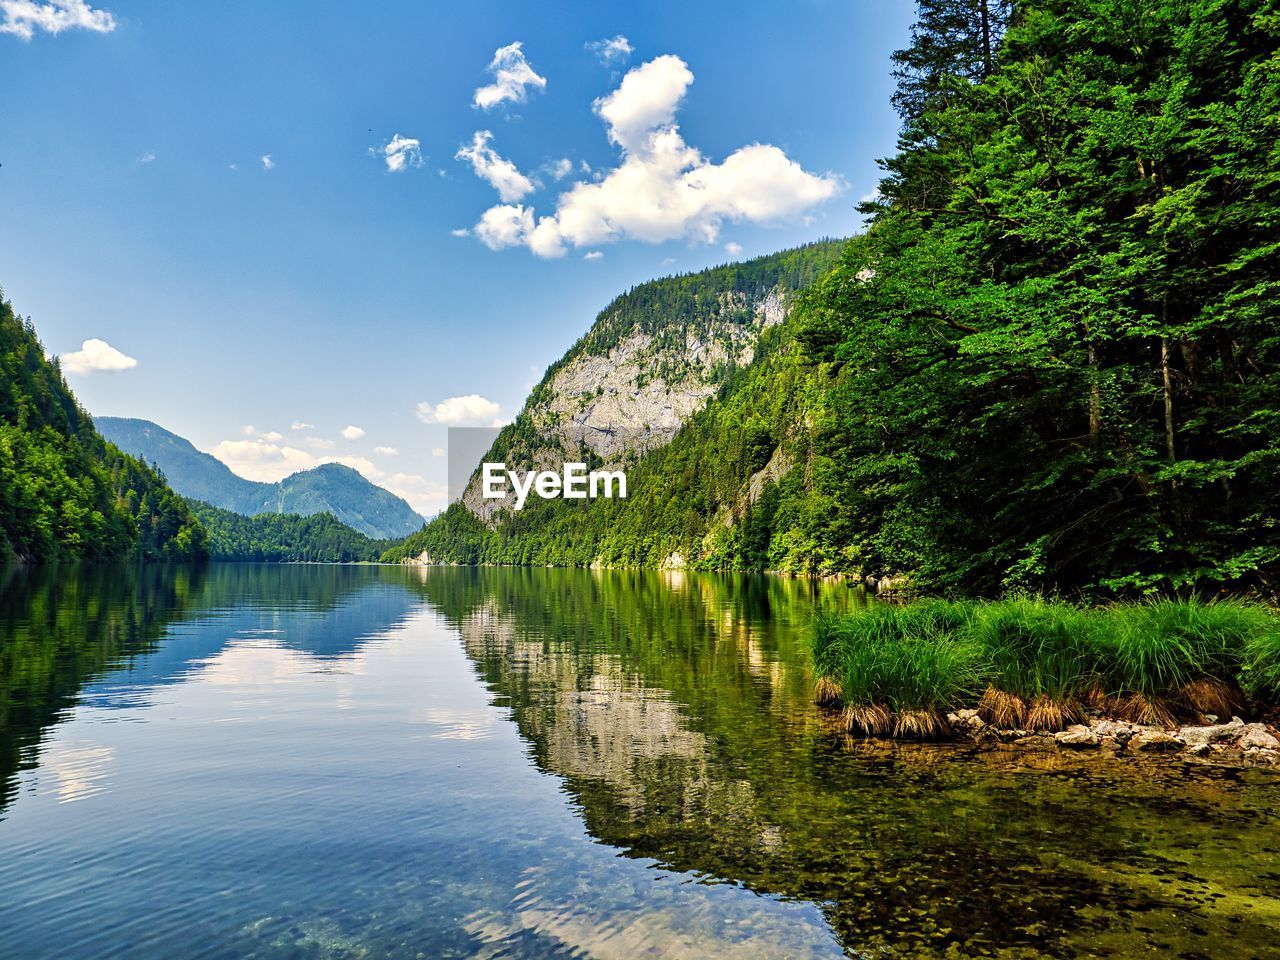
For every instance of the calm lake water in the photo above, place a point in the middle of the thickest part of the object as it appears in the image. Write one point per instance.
(357, 762)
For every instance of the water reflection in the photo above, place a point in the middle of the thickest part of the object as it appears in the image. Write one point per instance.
(288, 762)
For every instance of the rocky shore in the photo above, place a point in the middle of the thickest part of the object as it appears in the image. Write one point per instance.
(1235, 742)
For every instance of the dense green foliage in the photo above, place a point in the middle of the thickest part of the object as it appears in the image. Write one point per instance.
(1055, 356)
(330, 488)
(65, 493)
(1038, 660)
(1053, 361)
(284, 537)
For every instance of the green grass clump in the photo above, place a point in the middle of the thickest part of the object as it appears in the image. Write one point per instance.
(1161, 659)
(1036, 652)
(899, 667)
(1260, 672)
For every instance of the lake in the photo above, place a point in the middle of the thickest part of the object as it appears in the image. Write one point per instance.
(363, 762)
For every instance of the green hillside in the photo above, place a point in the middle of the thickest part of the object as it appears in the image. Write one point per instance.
(1053, 361)
(330, 488)
(284, 537)
(65, 493)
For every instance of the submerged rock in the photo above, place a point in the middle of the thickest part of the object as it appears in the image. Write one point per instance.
(1155, 741)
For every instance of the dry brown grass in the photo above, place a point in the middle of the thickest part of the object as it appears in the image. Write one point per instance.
(920, 725)
(1150, 711)
(868, 719)
(1045, 713)
(1007, 711)
(1210, 696)
(827, 692)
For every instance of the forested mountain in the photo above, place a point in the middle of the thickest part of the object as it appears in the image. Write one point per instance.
(284, 537)
(651, 360)
(1052, 362)
(65, 493)
(329, 488)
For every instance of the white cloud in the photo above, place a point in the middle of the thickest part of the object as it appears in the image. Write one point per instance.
(437, 451)
(504, 226)
(299, 425)
(612, 51)
(593, 255)
(471, 410)
(272, 437)
(147, 157)
(97, 355)
(386, 451)
(399, 153)
(460, 232)
(259, 460)
(266, 461)
(425, 496)
(267, 162)
(561, 168)
(662, 189)
(733, 249)
(23, 18)
(352, 433)
(500, 173)
(512, 75)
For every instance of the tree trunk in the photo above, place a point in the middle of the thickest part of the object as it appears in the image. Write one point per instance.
(1095, 399)
(986, 37)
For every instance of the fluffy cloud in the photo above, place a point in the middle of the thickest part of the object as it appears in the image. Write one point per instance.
(399, 153)
(97, 355)
(504, 226)
(261, 459)
(267, 162)
(352, 433)
(512, 76)
(733, 249)
(612, 51)
(663, 189)
(471, 410)
(23, 18)
(425, 496)
(593, 255)
(258, 459)
(500, 173)
(561, 168)
(300, 425)
(386, 451)
(147, 157)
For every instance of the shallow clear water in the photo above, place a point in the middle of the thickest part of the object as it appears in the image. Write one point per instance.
(342, 762)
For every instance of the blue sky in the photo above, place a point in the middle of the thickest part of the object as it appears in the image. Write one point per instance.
(325, 290)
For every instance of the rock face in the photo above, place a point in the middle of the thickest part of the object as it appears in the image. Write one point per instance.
(652, 359)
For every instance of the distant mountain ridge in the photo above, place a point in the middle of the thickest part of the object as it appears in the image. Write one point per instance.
(329, 488)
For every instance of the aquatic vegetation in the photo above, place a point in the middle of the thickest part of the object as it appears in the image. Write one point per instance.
(1032, 663)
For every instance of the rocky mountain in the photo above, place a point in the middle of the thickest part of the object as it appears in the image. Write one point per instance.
(653, 358)
(685, 382)
(329, 488)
